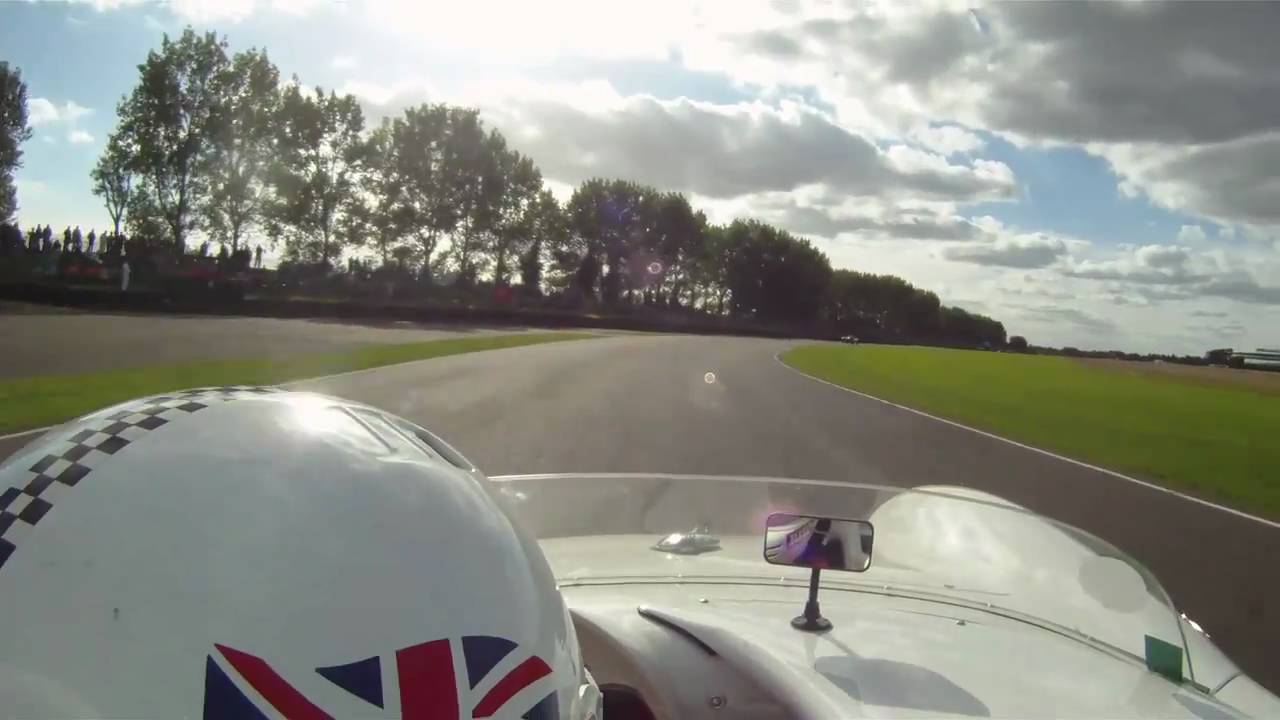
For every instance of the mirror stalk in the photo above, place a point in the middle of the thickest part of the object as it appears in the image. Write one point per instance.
(812, 620)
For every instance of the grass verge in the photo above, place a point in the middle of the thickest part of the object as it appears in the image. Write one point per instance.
(1217, 441)
(36, 401)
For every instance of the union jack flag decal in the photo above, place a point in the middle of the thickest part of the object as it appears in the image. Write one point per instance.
(429, 686)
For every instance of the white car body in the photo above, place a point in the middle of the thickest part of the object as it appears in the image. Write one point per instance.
(708, 635)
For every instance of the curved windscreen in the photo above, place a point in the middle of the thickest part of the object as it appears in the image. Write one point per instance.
(950, 545)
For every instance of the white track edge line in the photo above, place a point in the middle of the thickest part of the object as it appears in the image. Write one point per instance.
(1238, 513)
(24, 433)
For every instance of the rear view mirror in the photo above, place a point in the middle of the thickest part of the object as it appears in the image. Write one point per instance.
(818, 542)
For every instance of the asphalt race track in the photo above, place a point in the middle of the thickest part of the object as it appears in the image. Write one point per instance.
(682, 404)
(643, 403)
(56, 341)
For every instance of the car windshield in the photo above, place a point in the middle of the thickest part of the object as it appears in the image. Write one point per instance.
(945, 544)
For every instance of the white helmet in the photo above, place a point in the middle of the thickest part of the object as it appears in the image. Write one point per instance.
(252, 553)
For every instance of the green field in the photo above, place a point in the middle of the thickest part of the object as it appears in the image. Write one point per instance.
(36, 401)
(1195, 431)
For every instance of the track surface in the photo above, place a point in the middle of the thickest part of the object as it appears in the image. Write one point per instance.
(644, 403)
(54, 341)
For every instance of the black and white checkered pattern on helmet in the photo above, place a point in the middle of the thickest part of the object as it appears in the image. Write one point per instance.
(74, 458)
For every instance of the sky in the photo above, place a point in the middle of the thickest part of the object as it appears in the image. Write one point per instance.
(1101, 175)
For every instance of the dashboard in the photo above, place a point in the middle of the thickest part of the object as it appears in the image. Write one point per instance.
(649, 668)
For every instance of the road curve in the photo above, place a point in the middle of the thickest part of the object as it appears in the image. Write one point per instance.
(715, 405)
(644, 404)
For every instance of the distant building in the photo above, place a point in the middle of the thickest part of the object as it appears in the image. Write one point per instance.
(1261, 359)
(1221, 356)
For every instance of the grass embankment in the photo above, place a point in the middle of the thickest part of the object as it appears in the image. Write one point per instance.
(1202, 433)
(36, 401)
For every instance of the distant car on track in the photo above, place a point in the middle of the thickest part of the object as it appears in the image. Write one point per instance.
(850, 339)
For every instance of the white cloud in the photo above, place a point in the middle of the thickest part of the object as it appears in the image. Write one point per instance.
(101, 5)
(1191, 234)
(947, 139)
(71, 111)
(1152, 72)
(1231, 182)
(726, 150)
(1138, 314)
(581, 28)
(1162, 273)
(344, 62)
(562, 191)
(42, 111)
(204, 11)
(817, 211)
(1223, 330)
(1030, 250)
(368, 93)
(1153, 264)
(908, 160)
(1095, 325)
(1181, 98)
(1182, 114)
(1070, 72)
(1242, 287)
(295, 7)
(389, 99)
(1162, 257)
(31, 186)
(718, 150)
(79, 137)
(1130, 81)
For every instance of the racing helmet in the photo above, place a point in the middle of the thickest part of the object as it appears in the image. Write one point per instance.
(244, 552)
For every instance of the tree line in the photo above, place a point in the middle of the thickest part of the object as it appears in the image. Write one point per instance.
(217, 144)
